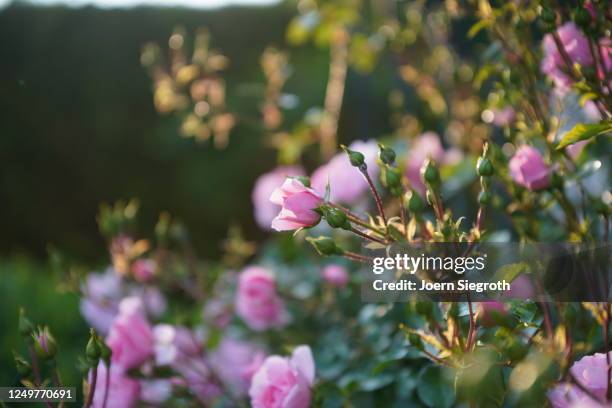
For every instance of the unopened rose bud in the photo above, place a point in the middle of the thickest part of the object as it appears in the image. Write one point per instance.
(393, 181)
(484, 167)
(386, 154)
(357, 159)
(105, 352)
(336, 218)
(44, 344)
(325, 246)
(430, 173)
(25, 326)
(415, 202)
(484, 198)
(92, 350)
(24, 369)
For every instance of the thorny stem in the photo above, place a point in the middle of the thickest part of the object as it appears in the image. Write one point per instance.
(357, 257)
(368, 237)
(106, 385)
(92, 387)
(358, 220)
(379, 205)
(36, 370)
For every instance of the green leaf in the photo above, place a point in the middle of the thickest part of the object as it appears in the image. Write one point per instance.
(434, 389)
(584, 131)
(511, 271)
(477, 27)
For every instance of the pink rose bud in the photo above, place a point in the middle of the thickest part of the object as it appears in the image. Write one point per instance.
(491, 313)
(265, 211)
(257, 302)
(335, 275)
(123, 391)
(130, 337)
(298, 204)
(44, 344)
(591, 373)
(528, 169)
(144, 269)
(283, 382)
(346, 184)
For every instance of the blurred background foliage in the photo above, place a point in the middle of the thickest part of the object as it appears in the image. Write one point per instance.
(78, 126)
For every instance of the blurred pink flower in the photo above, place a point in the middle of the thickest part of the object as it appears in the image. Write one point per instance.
(503, 117)
(144, 270)
(265, 211)
(298, 204)
(181, 349)
(283, 382)
(346, 184)
(102, 293)
(427, 145)
(335, 275)
(257, 302)
(521, 288)
(490, 312)
(576, 46)
(156, 391)
(123, 391)
(591, 373)
(527, 168)
(173, 345)
(235, 362)
(130, 337)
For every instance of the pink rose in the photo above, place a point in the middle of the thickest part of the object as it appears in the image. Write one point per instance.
(235, 362)
(591, 373)
(345, 182)
(298, 203)
(576, 46)
(335, 275)
(144, 270)
(265, 211)
(123, 391)
(427, 145)
(489, 313)
(257, 302)
(130, 337)
(528, 169)
(283, 382)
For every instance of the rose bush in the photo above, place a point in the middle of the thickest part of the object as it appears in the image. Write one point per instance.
(476, 152)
